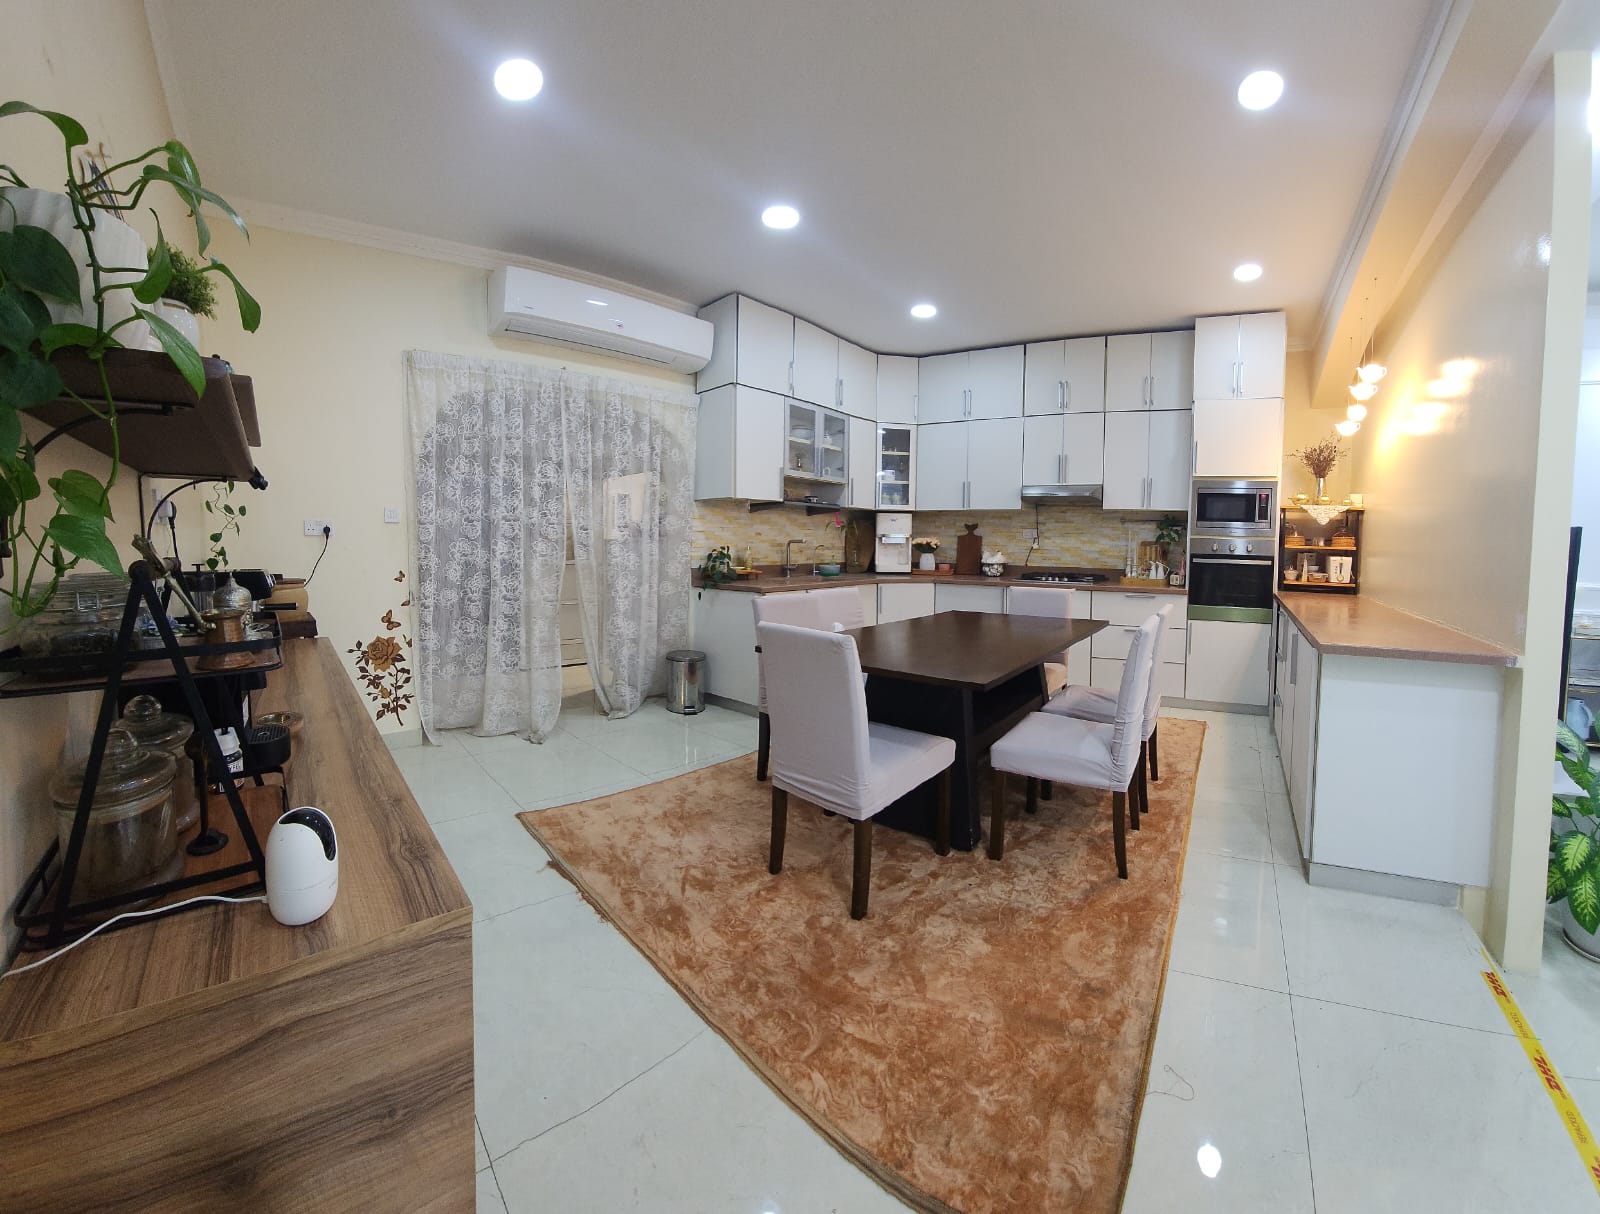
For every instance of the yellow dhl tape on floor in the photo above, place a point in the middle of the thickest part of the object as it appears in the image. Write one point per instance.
(1566, 1107)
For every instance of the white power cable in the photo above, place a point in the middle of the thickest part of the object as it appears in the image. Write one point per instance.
(138, 914)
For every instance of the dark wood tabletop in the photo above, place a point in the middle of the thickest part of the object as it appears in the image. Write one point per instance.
(972, 649)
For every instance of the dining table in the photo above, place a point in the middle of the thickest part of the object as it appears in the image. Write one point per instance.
(965, 675)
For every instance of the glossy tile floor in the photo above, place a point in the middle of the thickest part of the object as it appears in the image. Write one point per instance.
(1317, 1050)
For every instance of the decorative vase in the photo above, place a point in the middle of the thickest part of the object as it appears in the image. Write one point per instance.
(181, 317)
(926, 561)
(1322, 496)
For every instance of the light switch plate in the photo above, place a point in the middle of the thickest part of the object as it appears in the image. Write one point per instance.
(391, 514)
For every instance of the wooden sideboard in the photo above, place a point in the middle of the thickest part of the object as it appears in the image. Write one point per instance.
(218, 1060)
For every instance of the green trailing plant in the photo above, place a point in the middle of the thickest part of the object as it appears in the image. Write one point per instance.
(226, 516)
(718, 567)
(43, 537)
(191, 285)
(1574, 872)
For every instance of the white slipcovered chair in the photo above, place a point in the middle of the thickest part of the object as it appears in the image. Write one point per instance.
(1066, 750)
(799, 610)
(1099, 704)
(839, 607)
(1051, 602)
(830, 754)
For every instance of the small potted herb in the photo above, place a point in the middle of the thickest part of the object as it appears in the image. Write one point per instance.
(188, 295)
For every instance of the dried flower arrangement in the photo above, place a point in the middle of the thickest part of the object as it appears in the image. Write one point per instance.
(1320, 458)
(925, 544)
(381, 666)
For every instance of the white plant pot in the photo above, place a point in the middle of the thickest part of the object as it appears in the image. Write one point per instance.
(116, 243)
(180, 317)
(926, 560)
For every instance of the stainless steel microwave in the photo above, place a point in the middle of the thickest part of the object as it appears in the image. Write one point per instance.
(1225, 508)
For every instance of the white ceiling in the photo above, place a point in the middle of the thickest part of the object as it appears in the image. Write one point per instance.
(1036, 168)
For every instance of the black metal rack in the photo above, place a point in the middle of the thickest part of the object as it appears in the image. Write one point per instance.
(45, 909)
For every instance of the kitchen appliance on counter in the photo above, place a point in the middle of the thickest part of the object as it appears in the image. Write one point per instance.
(1063, 578)
(1230, 579)
(893, 546)
(1223, 508)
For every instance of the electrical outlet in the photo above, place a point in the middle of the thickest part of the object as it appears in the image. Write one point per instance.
(391, 514)
(314, 526)
(1030, 536)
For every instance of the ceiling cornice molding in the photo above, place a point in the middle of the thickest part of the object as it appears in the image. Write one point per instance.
(155, 18)
(391, 240)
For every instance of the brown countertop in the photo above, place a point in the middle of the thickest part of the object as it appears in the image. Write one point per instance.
(776, 583)
(1365, 628)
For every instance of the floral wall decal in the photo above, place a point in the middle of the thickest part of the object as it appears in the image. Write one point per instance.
(382, 665)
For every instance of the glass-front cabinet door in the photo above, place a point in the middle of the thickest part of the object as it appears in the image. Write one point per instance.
(894, 467)
(833, 447)
(817, 446)
(800, 456)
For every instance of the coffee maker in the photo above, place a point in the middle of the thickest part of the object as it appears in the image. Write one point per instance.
(893, 553)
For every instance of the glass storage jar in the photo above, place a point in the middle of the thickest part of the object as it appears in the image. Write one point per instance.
(131, 838)
(82, 620)
(167, 731)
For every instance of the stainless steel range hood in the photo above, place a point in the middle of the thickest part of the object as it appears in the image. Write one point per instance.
(1063, 495)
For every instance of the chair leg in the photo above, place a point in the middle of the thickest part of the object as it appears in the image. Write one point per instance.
(780, 820)
(1133, 800)
(1144, 780)
(1032, 804)
(1118, 837)
(997, 818)
(1155, 754)
(862, 880)
(1047, 790)
(763, 744)
(941, 841)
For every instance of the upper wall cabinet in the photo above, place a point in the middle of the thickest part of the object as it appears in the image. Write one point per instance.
(1149, 371)
(897, 389)
(816, 364)
(753, 345)
(1064, 376)
(970, 385)
(740, 448)
(1238, 437)
(1240, 357)
(858, 381)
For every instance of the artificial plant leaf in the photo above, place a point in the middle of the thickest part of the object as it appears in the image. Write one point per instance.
(1560, 808)
(35, 260)
(86, 538)
(26, 382)
(1574, 851)
(82, 495)
(1583, 898)
(179, 161)
(183, 355)
(148, 289)
(16, 326)
(1555, 883)
(71, 129)
(249, 309)
(193, 193)
(20, 474)
(59, 337)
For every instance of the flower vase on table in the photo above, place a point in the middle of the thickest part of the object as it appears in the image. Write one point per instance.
(925, 546)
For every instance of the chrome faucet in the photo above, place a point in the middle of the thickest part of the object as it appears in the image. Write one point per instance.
(788, 557)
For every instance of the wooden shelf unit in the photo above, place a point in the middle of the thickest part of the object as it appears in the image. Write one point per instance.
(1350, 519)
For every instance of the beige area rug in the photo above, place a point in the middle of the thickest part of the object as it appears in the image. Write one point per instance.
(980, 1041)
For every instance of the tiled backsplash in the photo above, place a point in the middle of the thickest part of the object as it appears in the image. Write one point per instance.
(1068, 535)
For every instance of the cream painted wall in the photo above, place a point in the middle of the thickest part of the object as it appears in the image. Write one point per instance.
(1586, 464)
(1304, 426)
(91, 59)
(326, 365)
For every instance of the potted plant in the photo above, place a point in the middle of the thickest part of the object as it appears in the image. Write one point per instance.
(1169, 534)
(70, 283)
(925, 546)
(189, 294)
(718, 567)
(1320, 459)
(1573, 878)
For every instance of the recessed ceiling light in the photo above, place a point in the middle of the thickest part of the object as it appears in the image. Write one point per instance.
(518, 79)
(924, 311)
(781, 217)
(1260, 90)
(599, 303)
(1248, 272)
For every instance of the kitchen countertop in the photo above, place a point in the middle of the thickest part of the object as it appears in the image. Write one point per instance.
(776, 583)
(1365, 628)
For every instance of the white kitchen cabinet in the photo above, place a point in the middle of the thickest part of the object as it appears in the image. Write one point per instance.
(1147, 460)
(1228, 662)
(994, 464)
(897, 462)
(974, 384)
(858, 381)
(904, 601)
(1240, 357)
(817, 444)
(941, 475)
(1238, 438)
(1063, 449)
(816, 364)
(862, 491)
(1123, 612)
(1064, 376)
(764, 347)
(1107, 673)
(897, 389)
(1305, 668)
(740, 450)
(1149, 371)
(948, 597)
(725, 631)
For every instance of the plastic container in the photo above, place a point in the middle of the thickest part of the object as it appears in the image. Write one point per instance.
(167, 731)
(131, 838)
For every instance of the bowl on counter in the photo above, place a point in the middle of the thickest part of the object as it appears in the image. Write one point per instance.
(828, 569)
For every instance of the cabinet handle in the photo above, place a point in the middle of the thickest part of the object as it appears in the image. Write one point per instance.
(791, 377)
(1068, 384)
(838, 393)
(1144, 391)
(1241, 377)
(1195, 467)
(1061, 394)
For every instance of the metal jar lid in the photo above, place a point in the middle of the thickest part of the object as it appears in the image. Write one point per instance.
(150, 726)
(129, 776)
(230, 596)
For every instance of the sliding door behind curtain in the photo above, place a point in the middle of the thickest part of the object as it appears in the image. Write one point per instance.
(491, 538)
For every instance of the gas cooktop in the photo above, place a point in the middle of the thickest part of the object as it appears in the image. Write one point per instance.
(1065, 579)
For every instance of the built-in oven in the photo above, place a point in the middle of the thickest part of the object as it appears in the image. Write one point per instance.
(1230, 507)
(1229, 580)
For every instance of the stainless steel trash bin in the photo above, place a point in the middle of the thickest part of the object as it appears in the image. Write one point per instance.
(686, 672)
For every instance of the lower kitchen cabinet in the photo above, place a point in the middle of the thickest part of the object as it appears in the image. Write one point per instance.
(904, 601)
(1107, 673)
(1228, 663)
(725, 631)
(969, 598)
(1123, 612)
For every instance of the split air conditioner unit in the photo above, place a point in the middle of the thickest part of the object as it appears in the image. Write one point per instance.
(530, 303)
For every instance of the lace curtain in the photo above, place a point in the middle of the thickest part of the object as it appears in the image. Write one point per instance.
(501, 452)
